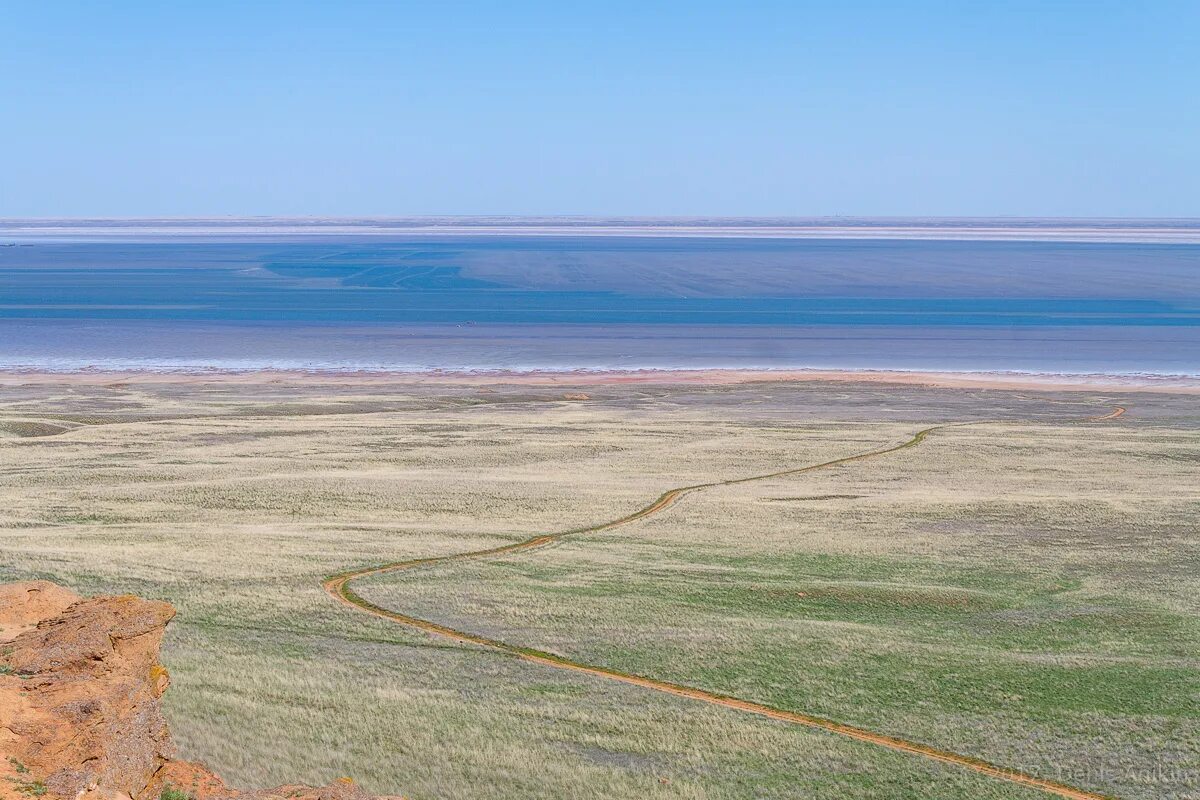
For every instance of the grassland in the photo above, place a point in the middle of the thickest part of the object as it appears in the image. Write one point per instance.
(1020, 592)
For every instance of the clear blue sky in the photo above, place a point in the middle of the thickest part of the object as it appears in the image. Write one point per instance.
(728, 108)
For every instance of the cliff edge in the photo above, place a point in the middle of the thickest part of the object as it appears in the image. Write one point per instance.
(80, 715)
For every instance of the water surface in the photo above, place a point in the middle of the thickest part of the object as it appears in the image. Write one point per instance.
(504, 302)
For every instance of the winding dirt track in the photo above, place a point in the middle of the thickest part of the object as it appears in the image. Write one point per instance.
(338, 587)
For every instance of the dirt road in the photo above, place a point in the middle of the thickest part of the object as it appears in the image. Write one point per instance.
(338, 586)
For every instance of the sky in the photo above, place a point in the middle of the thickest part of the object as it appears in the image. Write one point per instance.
(749, 108)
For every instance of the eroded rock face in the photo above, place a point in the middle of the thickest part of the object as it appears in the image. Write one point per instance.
(24, 605)
(80, 715)
(84, 697)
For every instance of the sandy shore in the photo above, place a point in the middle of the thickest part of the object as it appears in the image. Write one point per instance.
(963, 380)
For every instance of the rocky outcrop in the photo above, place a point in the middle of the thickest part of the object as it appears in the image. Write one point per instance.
(80, 716)
(24, 605)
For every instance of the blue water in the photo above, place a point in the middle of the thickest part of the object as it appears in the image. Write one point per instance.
(501, 302)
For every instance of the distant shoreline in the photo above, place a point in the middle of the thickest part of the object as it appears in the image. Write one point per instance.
(1133, 231)
(1178, 384)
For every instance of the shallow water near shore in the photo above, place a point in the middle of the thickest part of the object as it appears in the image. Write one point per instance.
(517, 303)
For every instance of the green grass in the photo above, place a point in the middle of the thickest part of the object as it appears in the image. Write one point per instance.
(171, 793)
(29, 788)
(1023, 594)
(1019, 662)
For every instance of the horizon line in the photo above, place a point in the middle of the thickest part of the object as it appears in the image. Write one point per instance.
(1098, 230)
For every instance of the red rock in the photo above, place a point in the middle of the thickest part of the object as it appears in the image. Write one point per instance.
(80, 715)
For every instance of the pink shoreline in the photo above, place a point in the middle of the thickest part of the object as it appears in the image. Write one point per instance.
(967, 380)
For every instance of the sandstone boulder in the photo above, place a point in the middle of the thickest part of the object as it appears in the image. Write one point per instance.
(80, 711)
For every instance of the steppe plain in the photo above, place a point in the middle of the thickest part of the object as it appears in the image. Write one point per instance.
(1020, 590)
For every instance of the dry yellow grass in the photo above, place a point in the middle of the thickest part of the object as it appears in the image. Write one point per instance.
(911, 595)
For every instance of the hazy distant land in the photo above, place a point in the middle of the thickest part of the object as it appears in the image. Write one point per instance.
(1147, 230)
